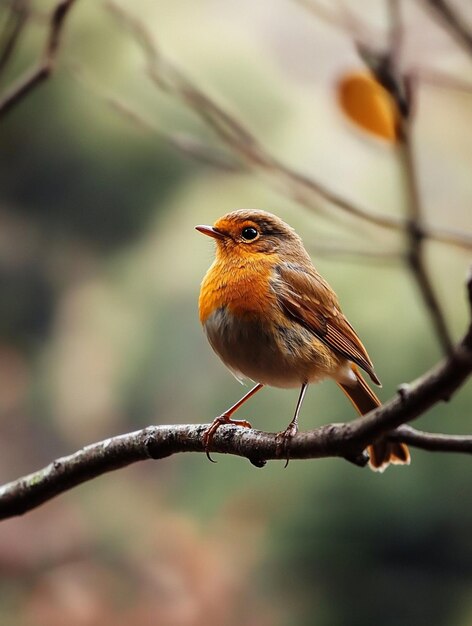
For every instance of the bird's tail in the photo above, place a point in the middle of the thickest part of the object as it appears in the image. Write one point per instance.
(383, 452)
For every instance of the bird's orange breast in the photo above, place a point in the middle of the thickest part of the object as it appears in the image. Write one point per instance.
(241, 285)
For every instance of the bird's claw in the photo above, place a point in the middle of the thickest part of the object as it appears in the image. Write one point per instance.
(283, 442)
(211, 430)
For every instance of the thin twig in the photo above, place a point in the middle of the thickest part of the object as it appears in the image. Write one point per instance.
(413, 400)
(33, 78)
(448, 236)
(297, 185)
(386, 68)
(438, 78)
(34, 14)
(340, 18)
(15, 23)
(433, 442)
(189, 145)
(339, 250)
(192, 147)
(167, 77)
(453, 21)
(416, 253)
(327, 15)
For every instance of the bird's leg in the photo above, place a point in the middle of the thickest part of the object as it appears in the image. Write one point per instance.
(225, 418)
(286, 435)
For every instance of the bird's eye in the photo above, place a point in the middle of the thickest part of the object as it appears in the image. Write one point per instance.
(249, 233)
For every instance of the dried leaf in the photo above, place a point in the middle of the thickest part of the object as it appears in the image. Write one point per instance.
(367, 104)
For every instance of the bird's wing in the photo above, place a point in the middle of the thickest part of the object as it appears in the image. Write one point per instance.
(308, 299)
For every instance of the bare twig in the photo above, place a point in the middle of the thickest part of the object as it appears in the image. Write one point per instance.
(433, 442)
(416, 253)
(12, 30)
(35, 14)
(340, 18)
(189, 145)
(46, 65)
(438, 78)
(386, 68)
(452, 372)
(299, 186)
(340, 250)
(448, 236)
(453, 21)
(330, 16)
(166, 76)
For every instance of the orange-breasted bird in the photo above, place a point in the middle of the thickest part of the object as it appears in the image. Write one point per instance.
(271, 317)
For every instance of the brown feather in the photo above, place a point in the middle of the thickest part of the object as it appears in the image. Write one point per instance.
(382, 452)
(308, 299)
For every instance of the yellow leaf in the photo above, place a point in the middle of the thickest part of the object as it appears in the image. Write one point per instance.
(367, 104)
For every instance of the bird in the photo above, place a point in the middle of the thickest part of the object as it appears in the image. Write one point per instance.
(272, 318)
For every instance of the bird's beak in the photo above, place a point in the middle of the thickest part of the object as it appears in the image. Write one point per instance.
(210, 231)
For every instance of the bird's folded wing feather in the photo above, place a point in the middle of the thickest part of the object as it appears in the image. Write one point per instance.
(307, 298)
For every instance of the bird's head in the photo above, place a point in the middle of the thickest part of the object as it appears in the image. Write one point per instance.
(245, 233)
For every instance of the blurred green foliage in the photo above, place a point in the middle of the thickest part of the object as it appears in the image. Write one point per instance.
(62, 173)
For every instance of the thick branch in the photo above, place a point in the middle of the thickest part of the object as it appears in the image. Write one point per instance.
(46, 65)
(333, 440)
(156, 442)
(439, 384)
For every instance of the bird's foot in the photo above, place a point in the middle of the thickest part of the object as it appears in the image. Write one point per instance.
(211, 430)
(283, 440)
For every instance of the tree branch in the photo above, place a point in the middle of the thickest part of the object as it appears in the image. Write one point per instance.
(386, 68)
(432, 442)
(185, 143)
(299, 186)
(347, 441)
(13, 28)
(439, 384)
(454, 22)
(46, 65)
(440, 79)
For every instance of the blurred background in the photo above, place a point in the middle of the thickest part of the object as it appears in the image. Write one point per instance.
(102, 179)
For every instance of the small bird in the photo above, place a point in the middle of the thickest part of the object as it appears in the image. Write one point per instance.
(271, 317)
